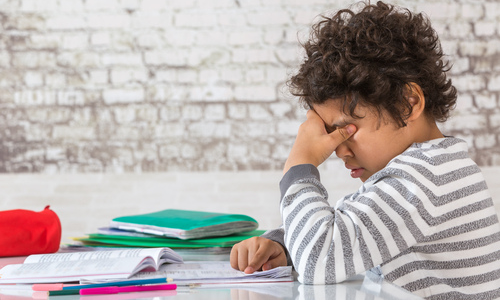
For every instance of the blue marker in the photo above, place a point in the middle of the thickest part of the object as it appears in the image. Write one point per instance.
(119, 283)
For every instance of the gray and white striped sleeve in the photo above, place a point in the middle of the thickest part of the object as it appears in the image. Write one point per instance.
(427, 219)
(328, 245)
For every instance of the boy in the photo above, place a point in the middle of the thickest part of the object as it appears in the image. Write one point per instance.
(375, 85)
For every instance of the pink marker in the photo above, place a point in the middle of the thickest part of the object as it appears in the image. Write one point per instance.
(127, 289)
(49, 286)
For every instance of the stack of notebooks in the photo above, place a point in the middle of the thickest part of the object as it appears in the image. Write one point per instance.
(147, 256)
(177, 229)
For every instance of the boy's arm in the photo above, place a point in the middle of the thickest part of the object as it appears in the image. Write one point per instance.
(319, 240)
(328, 245)
(313, 145)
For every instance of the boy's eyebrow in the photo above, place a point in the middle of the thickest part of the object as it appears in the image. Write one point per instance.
(334, 126)
(341, 123)
(330, 128)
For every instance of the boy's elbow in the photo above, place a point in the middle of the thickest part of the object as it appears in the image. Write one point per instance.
(319, 282)
(317, 274)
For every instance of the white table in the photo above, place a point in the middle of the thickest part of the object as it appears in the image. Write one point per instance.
(357, 288)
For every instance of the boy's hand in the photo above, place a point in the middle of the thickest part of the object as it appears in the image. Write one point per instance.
(313, 144)
(257, 253)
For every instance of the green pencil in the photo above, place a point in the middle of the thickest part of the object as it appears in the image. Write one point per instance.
(64, 292)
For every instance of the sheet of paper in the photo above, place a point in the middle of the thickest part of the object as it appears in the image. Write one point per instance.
(214, 271)
(96, 255)
(202, 272)
(66, 271)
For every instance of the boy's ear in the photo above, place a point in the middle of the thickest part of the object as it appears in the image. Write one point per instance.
(416, 100)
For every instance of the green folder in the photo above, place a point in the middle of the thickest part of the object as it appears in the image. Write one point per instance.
(97, 239)
(186, 224)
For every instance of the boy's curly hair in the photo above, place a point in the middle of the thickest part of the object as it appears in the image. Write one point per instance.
(369, 58)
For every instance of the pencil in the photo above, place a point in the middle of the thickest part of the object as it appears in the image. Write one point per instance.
(119, 283)
(63, 292)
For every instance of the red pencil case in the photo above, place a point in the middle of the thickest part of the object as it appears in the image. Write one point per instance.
(26, 232)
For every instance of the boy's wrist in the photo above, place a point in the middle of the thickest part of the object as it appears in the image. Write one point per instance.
(295, 173)
(296, 162)
(301, 156)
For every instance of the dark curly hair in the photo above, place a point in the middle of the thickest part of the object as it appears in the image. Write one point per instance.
(370, 58)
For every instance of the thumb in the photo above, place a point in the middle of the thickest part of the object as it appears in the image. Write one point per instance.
(346, 131)
(271, 264)
(255, 264)
(277, 261)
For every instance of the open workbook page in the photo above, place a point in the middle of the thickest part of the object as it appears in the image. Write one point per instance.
(207, 272)
(68, 267)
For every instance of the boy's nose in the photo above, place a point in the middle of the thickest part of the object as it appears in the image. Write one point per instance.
(343, 151)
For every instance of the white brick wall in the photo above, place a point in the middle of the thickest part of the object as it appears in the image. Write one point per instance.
(192, 75)
(161, 90)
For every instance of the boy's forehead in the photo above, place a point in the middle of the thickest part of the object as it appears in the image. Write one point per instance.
(334, 114)
(334, 110)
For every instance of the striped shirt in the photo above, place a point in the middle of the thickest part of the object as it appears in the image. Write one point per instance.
(426, 220)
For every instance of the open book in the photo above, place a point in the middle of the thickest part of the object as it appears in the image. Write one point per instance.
(98, 265)
(185, 224)
(212, 272)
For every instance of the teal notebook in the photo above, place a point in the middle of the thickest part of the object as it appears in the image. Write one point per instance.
(186, 224)
(96, 239)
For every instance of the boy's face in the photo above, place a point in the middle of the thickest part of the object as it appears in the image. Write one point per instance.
(376, 141)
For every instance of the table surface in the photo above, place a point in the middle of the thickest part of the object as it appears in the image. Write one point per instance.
(358, 287)
(354, 289)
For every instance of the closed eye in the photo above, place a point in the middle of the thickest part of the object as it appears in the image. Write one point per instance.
(330, 129)
(334, 127)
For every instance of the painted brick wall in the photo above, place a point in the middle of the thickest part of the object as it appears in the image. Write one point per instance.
(195, 85)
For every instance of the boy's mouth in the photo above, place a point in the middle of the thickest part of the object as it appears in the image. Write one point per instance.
(355, 172)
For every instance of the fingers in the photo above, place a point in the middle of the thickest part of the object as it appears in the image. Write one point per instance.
(257, 253)
(312, 115)
(248, 256)
(345, 132)
(239, 257)
(269, 255)
(259, 258)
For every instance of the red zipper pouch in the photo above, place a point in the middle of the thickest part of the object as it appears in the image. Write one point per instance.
(26, 232)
